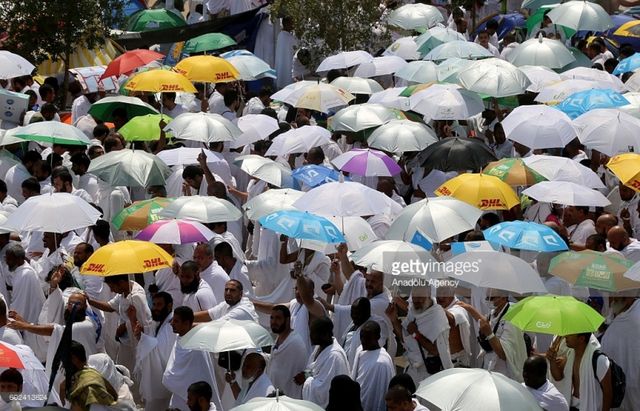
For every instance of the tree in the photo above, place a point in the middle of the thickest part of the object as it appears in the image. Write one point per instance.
(326, 27)
(43, 29)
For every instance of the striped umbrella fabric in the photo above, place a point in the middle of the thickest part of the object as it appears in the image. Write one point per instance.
(101, 56)
(175, 232)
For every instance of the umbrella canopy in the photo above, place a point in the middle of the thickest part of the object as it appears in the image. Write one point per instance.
(590, 74)
(388, 255)
(446, 102)
(400, 136)
(497, 270)
(343, 60)
(271, 201)
(319, 97)
(144, 128)
(514, 172)
(203, 127)
(458, 48)
(494, 77)
(208, 42)
(130, 168)
(419, 72)
(436, 36)
(357, 85)
(633, 83)
(175, 232)
(555, 315)
(315, 175)
(539, 127)
(159, 80)
(129, 61)
(454, 154)
(103, 109)
(566, 193)
(226, 335)
(593, 269)
(126, 257)
(207, 69)
(581, 15)
(203, 209)
(380, 66)
(627, 168)
(609, 131)
(557, 92)
(140, 214)
(251, 67)
(362, 116)
(299, 140)
(541, 52)
(449, 69)
(480, 190)
(53, 132)
(254, 127)
(54, 213)
(13, 65)
(634, 107)
(12, 357)
(631, 63)
(539, 77)
(584, 101)
(265, 169)
(346, 199)
(525, 235)
(405, 48)
(462, 386)
(357, 232)
(415, 16)
(288, 90)
(391, 98)
(188, 155)
(555, 168)
(154, 19)
(438, 218)
(367, 162)
(277, 403)
(302, 225)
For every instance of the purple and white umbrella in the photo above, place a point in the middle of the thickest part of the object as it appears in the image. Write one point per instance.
(367, 162)
(175, 232)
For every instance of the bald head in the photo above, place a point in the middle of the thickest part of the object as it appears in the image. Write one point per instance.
(253, 366)
(618, 238)
(605, 222)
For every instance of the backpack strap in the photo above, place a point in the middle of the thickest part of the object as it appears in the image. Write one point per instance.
(594, 363)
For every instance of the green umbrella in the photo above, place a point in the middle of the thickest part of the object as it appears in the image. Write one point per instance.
(103, 109)
(552, 314)
(208, 42)
(535, 22)
(140, 214)
(154, 19)
(53, 132)
(143, 128)
(133, 168)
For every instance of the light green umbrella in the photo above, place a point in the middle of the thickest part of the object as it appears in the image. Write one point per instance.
(143, 128)
(208, 42)
(140, 214)
(154, 19)
(436, 36)
(53, 132)
(103, 108)
(134, 168)
(553, 314)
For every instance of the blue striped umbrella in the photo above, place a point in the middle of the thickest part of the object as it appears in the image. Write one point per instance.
(581, 102)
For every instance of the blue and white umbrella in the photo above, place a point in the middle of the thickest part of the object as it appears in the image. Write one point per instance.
(583, 101)
(302, 225)
(631, 63)
(248, 65)
(523, 235)
(313, 175)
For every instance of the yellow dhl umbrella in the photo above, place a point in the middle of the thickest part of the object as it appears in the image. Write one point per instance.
(158, 81)
(480, 190)
(627, 168)
(126, 257)
(100, 56)
(208, 69)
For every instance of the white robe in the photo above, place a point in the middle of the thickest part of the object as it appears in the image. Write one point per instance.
(286, 46)
(168, 282)
(243, 310)
(27, 297)
(379, 304)
(239, 273)
(324, 365)
(300, 322)
(217, 278)
(461, 318)
(265, 41)
(351, 337)
(261, 387)
(285, 361)
(353, 289)
(10, 336)
(549, 398)
(14, 178)
(512, 341)
(373, 370)
(201, 300)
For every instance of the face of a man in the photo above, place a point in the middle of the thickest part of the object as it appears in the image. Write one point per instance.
(80, 255)
(278, 322)
(374, 283)
(232, 293)
(10, 387)
(188, 281)
(483, 39)
(201, 258)
(159, 310)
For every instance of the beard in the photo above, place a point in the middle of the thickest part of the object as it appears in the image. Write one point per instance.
(190, 288)
(278, 330)
(159, 316)
(79, 316)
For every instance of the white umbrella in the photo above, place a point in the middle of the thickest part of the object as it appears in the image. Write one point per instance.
(494, 77)
(126, 167)
(380, 66)
(449, 69)
(539, 127)
(581, 15)
(446, 102)
(357, 85)
(356, 230)
(415, 16)
(277, 403)
(458, 48)
(361, 117)
(633, 83)
(438, 218)
(186, 155)
(541, 52)
(539, 77)
(566, 193)
(299, 140)
(633, 108)
(346, 199)
(344, 60)
(271, 201)
(391, 98)
(226, 334)
(13, 65)
(203, 127)
(201, 208)
(555, 168)
(281, 95)
(405, 48)
(436, 36)
(419, 72)
(400, 136)
(254, 127)
(251, 67)
(601, 77)
(319, 97)
(609, 131)
(460, 388)
(559, 91)
(55, 213)
(265, 169)
(388, 256)
(497, 270)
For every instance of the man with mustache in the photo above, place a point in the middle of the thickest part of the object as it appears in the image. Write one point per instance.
(197, 294)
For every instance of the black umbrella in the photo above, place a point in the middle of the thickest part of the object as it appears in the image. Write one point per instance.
(455, 154)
